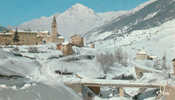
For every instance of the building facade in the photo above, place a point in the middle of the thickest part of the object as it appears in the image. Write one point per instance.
(77, 40)
(67, 49)
(141, 55)
(25, 38)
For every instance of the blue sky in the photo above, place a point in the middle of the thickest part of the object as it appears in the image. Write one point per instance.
(15, 12)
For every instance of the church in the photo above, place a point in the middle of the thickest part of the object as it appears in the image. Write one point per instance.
(54, 37)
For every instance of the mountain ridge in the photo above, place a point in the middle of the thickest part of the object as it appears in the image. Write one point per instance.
(2, 29)
(155, 13)
(78, 19)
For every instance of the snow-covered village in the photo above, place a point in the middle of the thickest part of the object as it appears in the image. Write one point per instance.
(81, 53)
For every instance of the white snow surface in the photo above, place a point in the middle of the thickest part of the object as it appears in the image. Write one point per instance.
(39, 92)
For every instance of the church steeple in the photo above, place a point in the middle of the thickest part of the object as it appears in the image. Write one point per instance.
(54, 30)
(54, 26)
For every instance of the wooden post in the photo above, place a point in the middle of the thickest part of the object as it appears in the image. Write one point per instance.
(87, 93)
(121, 92)
(170, 93)
(173, 63)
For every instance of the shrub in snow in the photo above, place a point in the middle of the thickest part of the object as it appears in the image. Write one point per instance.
(54, 57)
(121, 57)
(52, 47)
(106, 61)
(157, 64)
(33, 50)
(124, 77)
(16, 49)
(164, 62)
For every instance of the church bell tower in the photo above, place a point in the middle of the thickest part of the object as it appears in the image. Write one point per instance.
(54, 30)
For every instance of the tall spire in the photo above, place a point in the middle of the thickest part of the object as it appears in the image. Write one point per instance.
(54, 30)
(54, 26)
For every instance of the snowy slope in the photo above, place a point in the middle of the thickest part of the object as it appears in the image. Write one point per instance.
(156, 41)
(12, 65)
(38, 91)
(150, 14)
(76, 20)
(26, 83)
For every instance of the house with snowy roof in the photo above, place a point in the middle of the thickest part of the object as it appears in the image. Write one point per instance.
(77, 40)
(67, 49)
(141, 55)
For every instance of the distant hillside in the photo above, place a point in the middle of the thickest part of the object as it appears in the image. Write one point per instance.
(148, 15)
(2, 29)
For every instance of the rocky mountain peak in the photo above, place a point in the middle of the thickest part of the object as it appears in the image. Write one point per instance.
(79, 8)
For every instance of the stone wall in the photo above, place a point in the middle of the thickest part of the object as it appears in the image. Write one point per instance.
(6, 39)
(25, 39)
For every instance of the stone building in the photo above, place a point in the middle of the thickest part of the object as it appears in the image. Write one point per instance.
(67, 49)
(60, 40)
(29, 39)
(33, 38)
(59, 46)
(6, 38)
(141, 55)
(25, 38)
(54, 37)
(77, 40)
(54, 31)
(92, 45)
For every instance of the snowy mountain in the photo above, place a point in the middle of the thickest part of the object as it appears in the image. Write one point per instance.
(150, 14)
(76, 20)
(3, 29)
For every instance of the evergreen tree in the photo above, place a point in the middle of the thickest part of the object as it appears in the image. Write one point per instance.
(16, 36)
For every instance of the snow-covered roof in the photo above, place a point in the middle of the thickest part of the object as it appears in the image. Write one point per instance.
(76, 35)
(153, 57)
(142, 52)
(44, 31)
(6, 33)
(61, 37)
(65, 43)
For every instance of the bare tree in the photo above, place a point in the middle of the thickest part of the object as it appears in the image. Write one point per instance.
(125, 59)
(157, 64)
(106, 61)
(119, 55)
(33, 50)
(164, 62)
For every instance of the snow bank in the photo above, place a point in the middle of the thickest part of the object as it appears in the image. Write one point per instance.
(39, 92)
